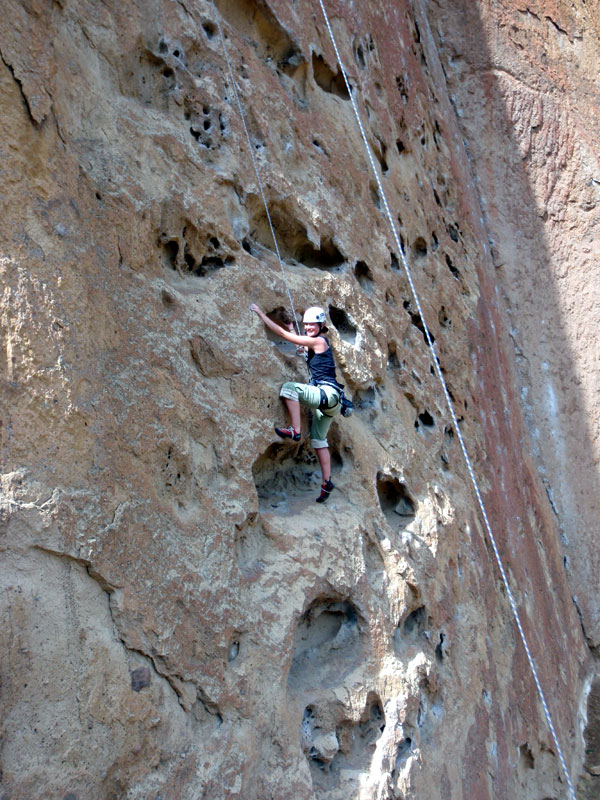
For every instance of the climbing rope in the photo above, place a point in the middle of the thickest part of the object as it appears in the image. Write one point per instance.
(442, 380)
(254, 162)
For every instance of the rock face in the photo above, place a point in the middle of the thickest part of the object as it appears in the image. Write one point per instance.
(182, 620)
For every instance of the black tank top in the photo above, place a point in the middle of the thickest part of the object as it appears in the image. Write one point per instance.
(322, 366)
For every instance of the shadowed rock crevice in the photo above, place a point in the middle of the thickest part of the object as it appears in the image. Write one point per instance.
(288, 471)
(259, 26)
(330, 640)
(329, 81)
(343, 324)
(338, 747)
(397, 505)
(364, 276)
(293, 239)
(191, 252)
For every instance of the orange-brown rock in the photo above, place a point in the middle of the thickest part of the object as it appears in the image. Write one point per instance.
(181, 619)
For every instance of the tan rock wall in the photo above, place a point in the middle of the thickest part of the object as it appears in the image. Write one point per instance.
(182, 620)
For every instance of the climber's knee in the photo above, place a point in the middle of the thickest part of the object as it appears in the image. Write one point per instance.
(289, 391)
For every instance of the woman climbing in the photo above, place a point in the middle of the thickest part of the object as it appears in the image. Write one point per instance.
(322, 394)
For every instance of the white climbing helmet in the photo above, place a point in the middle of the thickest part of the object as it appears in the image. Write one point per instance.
(314, 314)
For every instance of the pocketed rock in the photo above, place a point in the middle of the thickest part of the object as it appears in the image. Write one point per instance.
(181, 619)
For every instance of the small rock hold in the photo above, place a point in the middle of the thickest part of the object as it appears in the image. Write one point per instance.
(140, 678)
(325, 746)
(60, 229)
(594, 770)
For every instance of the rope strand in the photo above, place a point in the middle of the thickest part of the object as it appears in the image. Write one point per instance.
(442, 380)
(254, 163)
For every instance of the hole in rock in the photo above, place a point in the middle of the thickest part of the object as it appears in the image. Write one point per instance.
(293, 240)
(209, 29)
(327, 644)
(451, 266)
(393, 360)
(396, 503)
(401, 86)
(425, 419)
(320, 147)
(168, 300)
(339, 748)
(419, 249)
(437, 198)
(440, 650)
(365, 399)
(364, 276)
(526, 760)
(342, 324)
(415, 623)
(259, 26)
(444, 319)
(400, 146)
(372, 723)
(453, 232)
(375, 196)
(291, 61)
(170, 251)
(403, 752)
(285, 472)
(380, 150)
(282, 317)
(207, 265)
(330, 82)
(326, 257)
(411, 629)
(360, 56)
(416, 320)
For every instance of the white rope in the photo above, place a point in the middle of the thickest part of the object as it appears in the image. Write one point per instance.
(440, 375)
(254, 162)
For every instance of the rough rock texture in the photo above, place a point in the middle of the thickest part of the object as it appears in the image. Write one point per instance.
(182, 620)
(524, 81)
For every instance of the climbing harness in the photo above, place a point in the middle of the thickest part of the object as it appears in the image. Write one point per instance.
(442, 380)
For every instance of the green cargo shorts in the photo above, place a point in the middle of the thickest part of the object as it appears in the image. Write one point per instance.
(310, 396)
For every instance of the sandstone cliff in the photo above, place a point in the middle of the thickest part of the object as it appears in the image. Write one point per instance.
(182, 620)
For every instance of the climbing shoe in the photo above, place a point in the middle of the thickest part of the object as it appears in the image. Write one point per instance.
(326, 489)
(288, 433)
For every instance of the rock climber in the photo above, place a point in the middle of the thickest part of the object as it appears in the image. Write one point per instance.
(323, 393)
